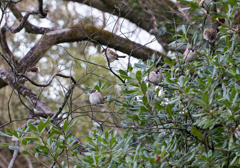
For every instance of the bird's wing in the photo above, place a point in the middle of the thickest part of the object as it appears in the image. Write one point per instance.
(113, 53)
(185, 54)
(101, 96)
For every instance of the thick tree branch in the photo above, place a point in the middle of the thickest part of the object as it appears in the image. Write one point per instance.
(134, 12)
(86, 32)
(11, 80)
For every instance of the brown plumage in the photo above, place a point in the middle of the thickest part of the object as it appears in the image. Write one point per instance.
(210, 34)
(96, 97)
(32, 73)
(189, 55)
(155, 76)
(111, 55)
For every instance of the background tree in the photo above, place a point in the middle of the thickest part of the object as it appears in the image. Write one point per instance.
(188, 120)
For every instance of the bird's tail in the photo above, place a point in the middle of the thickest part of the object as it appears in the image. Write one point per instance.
(121, 56)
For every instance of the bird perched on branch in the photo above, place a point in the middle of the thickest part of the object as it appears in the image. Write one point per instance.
(210, 34)
(155, 76)
(32, 73)
(189, 55)
(96, 97)
(111, 55)
(237, 132)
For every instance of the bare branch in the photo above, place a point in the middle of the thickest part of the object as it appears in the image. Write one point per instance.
(43, 13)
(15, 154)
(28, 26)
(85, 32)
(10, 79)
(22, 23)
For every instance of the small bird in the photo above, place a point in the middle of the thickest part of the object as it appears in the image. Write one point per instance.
(189, 55)
(155, 76)
(96, 97)
(237, 132)
(210, 34)
(111, 55)
(32, 73)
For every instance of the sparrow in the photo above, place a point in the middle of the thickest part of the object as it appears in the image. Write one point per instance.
(111, 55)
(210, 34)
(189, 55)
(96, 97)
(32, 73)
(237, 132)
(155, 76)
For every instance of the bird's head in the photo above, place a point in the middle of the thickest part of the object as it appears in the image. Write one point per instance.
(190, 49)
(33, 69)
(93, 91)
(156, 70)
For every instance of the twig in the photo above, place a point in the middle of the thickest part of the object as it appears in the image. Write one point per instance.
(15, 153)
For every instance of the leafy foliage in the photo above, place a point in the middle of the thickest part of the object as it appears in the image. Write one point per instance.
(187, 121)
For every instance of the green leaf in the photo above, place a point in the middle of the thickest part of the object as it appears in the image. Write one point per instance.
(232, 2)
(8, 131)
(4, 144)
(169, 109)
(193, 5)
(129, 91)
(24, 142)
(184, 29)
(112, 141)
(32, 127)
(205, 97)
(75, 122)
(40, 126)
(13, 147)
(5, 135)
(135, 117)
(167, 61)
(227, 104)
(225, 5)
(144, 87)
(196, 132)
(65, 125)
(69, 135)
(122, 72)
(181, 81)
(104, 85)
(46, 122)
(139, 75)
(140, 65)
(159, 106)
(25, 153)
(15, 133)
(170, 81)
(209, 124)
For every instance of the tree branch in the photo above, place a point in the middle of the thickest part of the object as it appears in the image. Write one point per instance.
(15, 154)
(85, 32)
(134, 12)
(28, 26)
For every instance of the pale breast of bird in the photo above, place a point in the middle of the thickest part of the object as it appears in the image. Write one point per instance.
(155, 78)
(189, 56)
(95, 98)
(32, 75)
